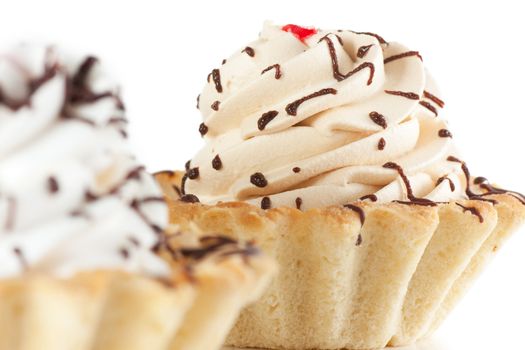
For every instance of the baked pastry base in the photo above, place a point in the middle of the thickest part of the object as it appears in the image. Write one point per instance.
(390, 281)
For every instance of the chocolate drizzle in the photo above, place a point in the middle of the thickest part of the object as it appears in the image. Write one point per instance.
(298, 202)
(11, 214)
(409, 95)
(215, 105)
(335, 64)
(265, 119)
(381, 144)
(444, 133)
(78, 92)
(379, 119)
(50, 70)
(429, 107)
(291, 108)
(359, 240)
(190, 198)
(371, 197)
(434, 99)
(258, 180)
(216, 75)
(410, 194)
(221, 245)
(52, 185)
(249, 51)
(363, 50)
(266, 203)
(136, 206)
(450, 182)
(277, 68)
(357, 210)
(379, 38)
(474, 196)
(402, 55)
(203, 129)
(216, 163)
(472, 210)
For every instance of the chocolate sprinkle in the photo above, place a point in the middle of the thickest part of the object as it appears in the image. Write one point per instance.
(335, 64)
(203, 129)
(296, 169)
(379, 119)
(409, 95)
(298, 202)
(358, 210)
(198, 101)
(224, 61)
(134, 241)
(429, 107)
(249, 51)
(21, 257)
(472, 210)
(52, 185)
(363, 50)
(372, 197)
(444, 133)
(258, 180)
(434, 99)
(216, 75)
(381, 144)
(187, 165)
(193, 173)
(124, 253)
(291, 108)
(190, 198)
(402, 55)
(277, 68)
(215, 105)
(265, 119)
(266, 203)
(216, 163)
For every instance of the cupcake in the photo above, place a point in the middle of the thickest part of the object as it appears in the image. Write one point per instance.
(86, 262)
(328, 147)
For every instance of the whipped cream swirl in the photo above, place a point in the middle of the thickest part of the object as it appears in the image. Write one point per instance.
(72, 196)
(323, 119)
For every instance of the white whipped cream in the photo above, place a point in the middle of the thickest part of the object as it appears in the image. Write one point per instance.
(72, 196)
(329, 149)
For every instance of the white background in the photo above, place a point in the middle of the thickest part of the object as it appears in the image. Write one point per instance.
(162, 52)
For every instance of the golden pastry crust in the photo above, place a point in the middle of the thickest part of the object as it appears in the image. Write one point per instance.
(390, 281)
(116, 310)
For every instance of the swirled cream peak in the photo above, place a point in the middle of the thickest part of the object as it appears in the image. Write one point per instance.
(312, 118)
(72, 197)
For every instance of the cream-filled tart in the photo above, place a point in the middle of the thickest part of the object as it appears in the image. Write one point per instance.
(82, 223)
(329, 148)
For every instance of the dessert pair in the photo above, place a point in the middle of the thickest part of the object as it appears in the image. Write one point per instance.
(328, 148)
(325, 148)
(88, 259)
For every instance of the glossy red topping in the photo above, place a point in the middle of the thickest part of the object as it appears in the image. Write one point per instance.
(300, 33)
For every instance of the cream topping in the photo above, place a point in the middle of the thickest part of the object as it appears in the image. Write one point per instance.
(316, 120)
(72, 196)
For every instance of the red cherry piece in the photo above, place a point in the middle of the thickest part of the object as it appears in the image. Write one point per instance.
(300, 33)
